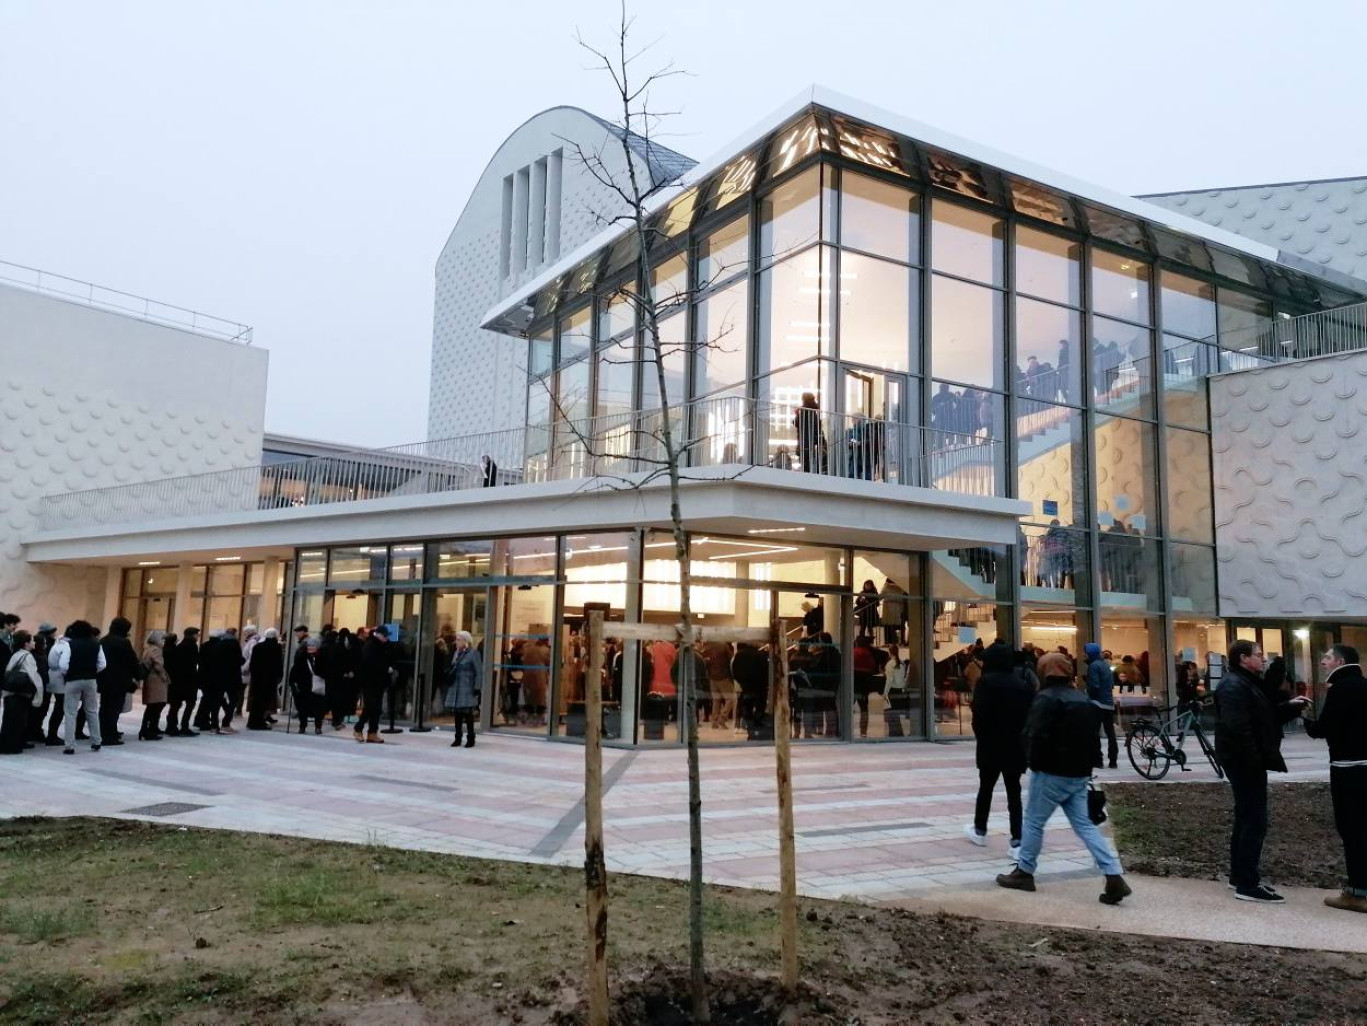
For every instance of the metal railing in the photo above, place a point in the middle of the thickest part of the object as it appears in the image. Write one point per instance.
(712, 433)
(1325, 333)
(144, 309)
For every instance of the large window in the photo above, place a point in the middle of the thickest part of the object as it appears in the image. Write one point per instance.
(575, 334)
(877, 311)
(1120, 286)
(1189, 486)
(724, 253)
(1127, 479)
(723, 335)
(790, 216)
(1188, 306)
(1051, 461)
(1122, 368)
(1048, 352)
(966, 333)
(967, 243)
(880, 218)
(1047, 266)
(794, 310)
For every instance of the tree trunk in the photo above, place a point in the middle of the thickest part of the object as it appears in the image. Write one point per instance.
(595, 868)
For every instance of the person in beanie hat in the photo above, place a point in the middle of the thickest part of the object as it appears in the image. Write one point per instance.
(1101, 693)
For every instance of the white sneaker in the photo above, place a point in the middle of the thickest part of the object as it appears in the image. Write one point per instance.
(971, 832)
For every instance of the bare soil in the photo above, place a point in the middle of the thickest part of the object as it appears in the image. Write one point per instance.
(118, 922)
(1183, 830)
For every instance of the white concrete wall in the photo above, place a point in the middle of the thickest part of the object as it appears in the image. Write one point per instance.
(90, 398)
(479, 377)
(1290, 467)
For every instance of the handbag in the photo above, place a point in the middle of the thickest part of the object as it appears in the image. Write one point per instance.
(319, 686)
(17, 682)
(1096, 803)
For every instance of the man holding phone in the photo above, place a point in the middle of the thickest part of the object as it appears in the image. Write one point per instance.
(1248, 742)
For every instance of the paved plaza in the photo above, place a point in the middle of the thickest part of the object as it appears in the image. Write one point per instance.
(877, 822)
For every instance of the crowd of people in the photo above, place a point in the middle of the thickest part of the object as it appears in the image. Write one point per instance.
(61, 689)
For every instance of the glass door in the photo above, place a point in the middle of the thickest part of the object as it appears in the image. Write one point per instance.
(403, 617)
(447, 611)
(519, 657)
(872, 445)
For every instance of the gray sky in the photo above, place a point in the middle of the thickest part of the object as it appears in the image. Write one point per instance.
(298, 165)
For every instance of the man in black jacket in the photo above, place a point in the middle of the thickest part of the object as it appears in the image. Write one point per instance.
(1248, 743)
(184, 672)
(1060, 741)
(1343, 723)
(266, 667)
(118, 679)
(1001, 706)
(376, 662)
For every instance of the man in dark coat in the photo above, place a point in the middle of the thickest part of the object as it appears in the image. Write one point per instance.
(1001, 705)
(183, 668)
(208, 683)
(750, 670)
(266, 668)
(224, 664)
(1248, 743)
(118, 679)
(376, 662)
(1060, 736)
(1343, 723)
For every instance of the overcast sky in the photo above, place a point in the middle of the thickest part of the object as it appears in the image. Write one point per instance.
(297, 166)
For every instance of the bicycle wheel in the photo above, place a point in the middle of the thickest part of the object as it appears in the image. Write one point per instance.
(1148, 751)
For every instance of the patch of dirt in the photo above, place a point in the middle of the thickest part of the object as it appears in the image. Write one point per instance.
(1183, 830)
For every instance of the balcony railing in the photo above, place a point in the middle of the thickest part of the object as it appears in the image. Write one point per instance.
(144, 309)
(715, 432)
(1326, 333)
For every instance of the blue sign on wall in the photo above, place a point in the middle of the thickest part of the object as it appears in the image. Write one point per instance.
(1051, 507)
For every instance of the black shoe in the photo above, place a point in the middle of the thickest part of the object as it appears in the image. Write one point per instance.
(1113, 765)
(29, 744)
(54, 742)
(470, 743)
(1262, 893)
(1117, 890)
(1017, 880)
(111, 744)
(172, 732)
(96, 748)
(187, 732)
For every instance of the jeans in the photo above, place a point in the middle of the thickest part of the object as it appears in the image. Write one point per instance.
(1047, 793)
(987, 783)
(83, 694)
(1105, 718)
(1348, 788)
(1250, 825)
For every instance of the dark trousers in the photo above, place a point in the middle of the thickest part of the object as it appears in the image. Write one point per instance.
(373, 702)
(987, 783)
(259, 704)
(232, 703)
(111, 706)
(14, 724)
(1250, 825)
(1105, 718)
(210, 707)
(151, 717)
(1348, 788)
(309, 706)
(341, 699)
(182, 706)
(54, 723)
(465, 720)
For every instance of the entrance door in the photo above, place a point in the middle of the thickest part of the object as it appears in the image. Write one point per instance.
(873, 445)
(447, 611)
(403, 617)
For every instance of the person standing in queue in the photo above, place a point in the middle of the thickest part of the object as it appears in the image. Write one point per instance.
(21, 688)
(1101, 693)
(1343, 723)
(376, 663)
(118, 679)
(1248, 743)
(264, 670)
(81, 661)
(464, 683)
(156, 685)
(184, 671)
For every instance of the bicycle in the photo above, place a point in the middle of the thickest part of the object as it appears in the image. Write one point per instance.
(1152, 750)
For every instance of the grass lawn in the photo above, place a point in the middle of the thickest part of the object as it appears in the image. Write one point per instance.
(112, 921)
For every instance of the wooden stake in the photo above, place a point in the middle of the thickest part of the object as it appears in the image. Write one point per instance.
(595, 868)
(787, 857)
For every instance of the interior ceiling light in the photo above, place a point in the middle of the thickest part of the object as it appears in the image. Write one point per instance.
(150, 562)
(226, 559)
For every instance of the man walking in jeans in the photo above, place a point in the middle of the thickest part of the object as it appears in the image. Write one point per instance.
(1248, 743)
(1343, 723)
(1060, 742)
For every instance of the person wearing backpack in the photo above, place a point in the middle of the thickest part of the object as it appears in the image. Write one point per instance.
(21, 689)
(1060, 742)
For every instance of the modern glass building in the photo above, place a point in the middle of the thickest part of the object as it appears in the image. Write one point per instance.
(933, 396)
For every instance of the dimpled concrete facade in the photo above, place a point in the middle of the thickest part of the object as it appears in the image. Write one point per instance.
(1290, 451)
(90, 398)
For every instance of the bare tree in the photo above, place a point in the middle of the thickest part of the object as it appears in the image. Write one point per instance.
(635, 188)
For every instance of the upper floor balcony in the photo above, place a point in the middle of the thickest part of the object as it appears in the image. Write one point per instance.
(747, 468)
